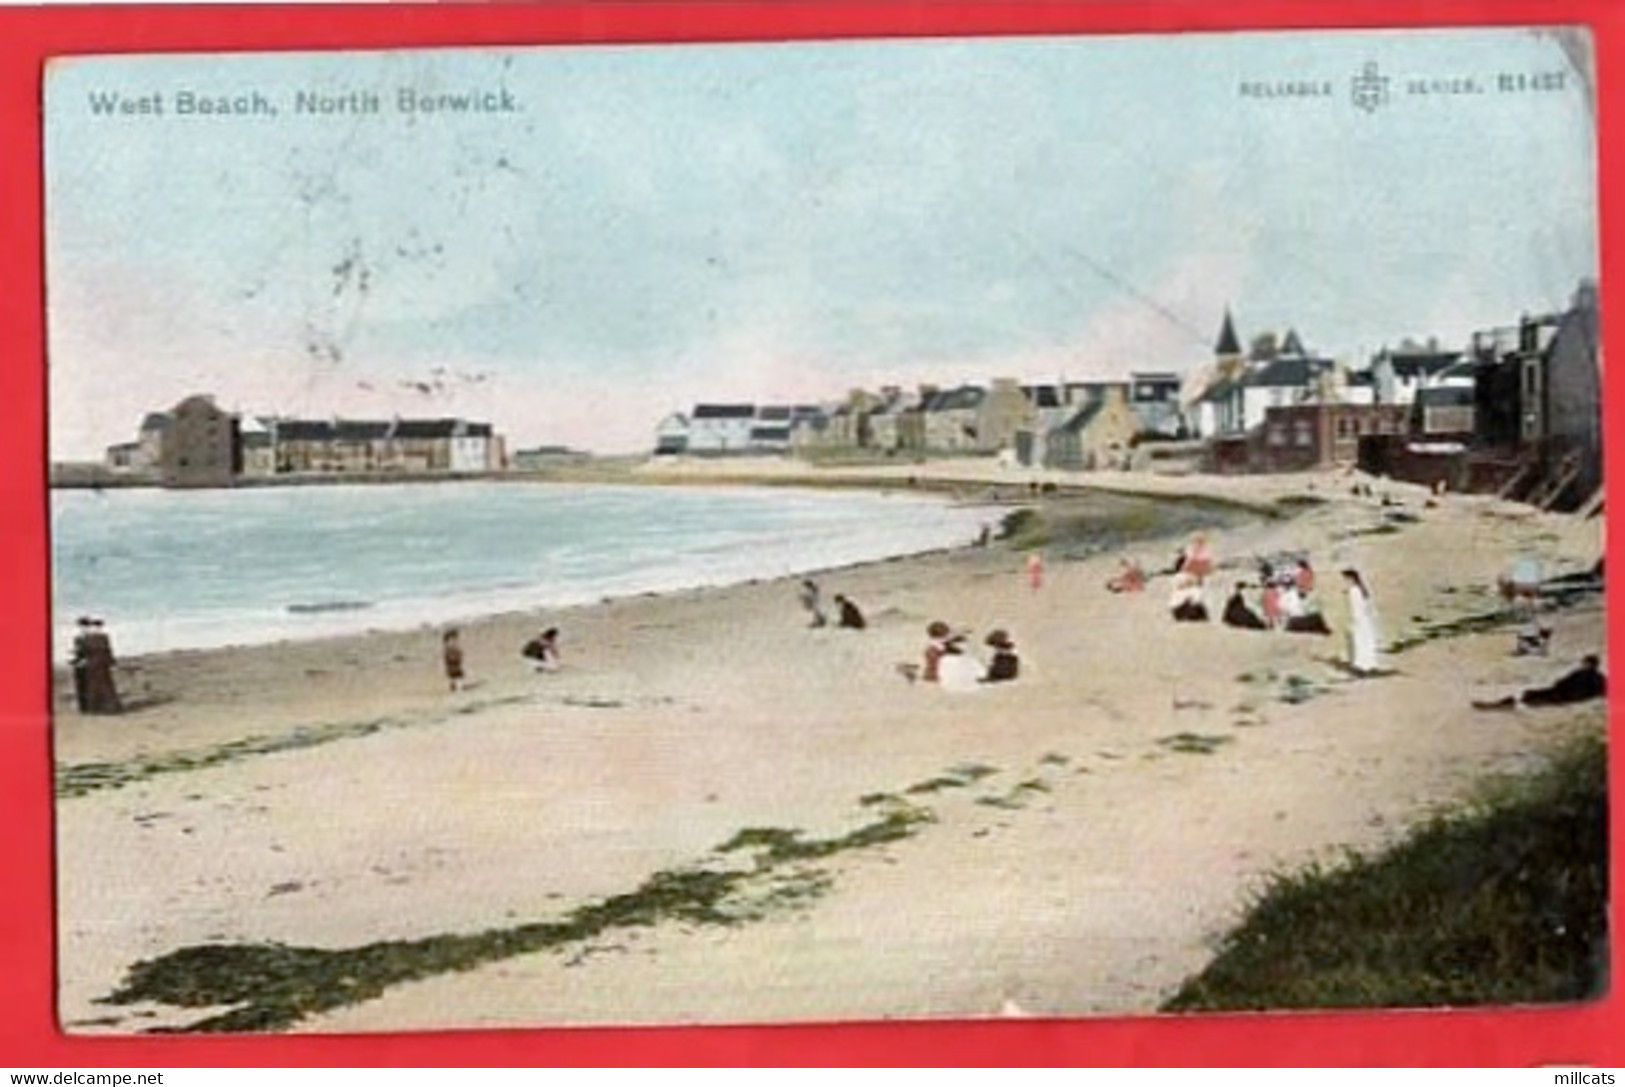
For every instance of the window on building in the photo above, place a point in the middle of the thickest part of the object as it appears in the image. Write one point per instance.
(1276, 436)
(1302, 434)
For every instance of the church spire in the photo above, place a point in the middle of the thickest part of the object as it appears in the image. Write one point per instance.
(1228, 346)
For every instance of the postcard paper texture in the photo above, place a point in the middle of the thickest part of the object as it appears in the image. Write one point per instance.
(825, 531)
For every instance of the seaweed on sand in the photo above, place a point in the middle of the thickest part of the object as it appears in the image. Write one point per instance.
(275, 986)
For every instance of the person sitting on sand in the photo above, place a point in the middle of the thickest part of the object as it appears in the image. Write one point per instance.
(941, 642)
(1238, 614)
(1005, 665)
(1304, 578)
(1581, 685)
(451, 653)
(1128, 579)
(813, 602)
(1273, 616)
(543, 650)
(851, 618)
(1198, 558)
(958, 670)
(1186, 602)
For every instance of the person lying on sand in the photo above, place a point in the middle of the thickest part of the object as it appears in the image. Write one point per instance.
(1581, 685)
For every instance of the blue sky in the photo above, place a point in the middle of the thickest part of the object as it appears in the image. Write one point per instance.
(657, 225)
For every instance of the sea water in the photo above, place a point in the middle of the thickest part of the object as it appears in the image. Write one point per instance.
(194, 569)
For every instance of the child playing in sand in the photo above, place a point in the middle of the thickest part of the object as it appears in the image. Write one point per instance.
(451, 652)
(1005, 665)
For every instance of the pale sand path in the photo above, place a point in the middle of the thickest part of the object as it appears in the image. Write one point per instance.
(719, 710)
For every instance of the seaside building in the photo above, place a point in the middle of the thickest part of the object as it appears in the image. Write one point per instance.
(199, 447)
(335, 446)
(720, 428)
(1538, 398)
(671, 436)
(1400, 373)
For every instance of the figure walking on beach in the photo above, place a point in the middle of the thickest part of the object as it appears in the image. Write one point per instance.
(81, 659)
(101, 690)
(1035, 571)
(812, 600)
(1362, 625)
(451, 652)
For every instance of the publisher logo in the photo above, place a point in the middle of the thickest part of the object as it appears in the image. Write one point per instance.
(1369, 89)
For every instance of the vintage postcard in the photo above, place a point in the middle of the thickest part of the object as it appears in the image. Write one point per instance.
(817, 531)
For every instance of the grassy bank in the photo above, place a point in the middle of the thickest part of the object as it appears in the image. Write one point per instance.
(1504, 902)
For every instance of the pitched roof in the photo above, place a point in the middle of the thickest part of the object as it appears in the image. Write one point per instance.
(1228, 344)
(1291, 345)
(966, 396)
(1295, 371)
(1043, 396)
(1412, 364)
(724, 411)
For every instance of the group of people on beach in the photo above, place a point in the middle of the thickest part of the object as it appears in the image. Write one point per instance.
(1286, 601)
(848, 616)
(542, 652)
(951, 665)
(95, 689)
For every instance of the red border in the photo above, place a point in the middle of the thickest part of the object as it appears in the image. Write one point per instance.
(28, 1036)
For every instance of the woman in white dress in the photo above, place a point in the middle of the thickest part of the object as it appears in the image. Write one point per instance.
(1362, 625)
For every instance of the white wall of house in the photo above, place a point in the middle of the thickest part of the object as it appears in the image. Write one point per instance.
(469, 454)
(719, 435)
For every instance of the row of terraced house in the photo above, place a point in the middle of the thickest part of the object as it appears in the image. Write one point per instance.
(1079, 424)
(199, 444)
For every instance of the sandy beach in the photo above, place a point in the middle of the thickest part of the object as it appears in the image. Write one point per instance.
(1071, 843)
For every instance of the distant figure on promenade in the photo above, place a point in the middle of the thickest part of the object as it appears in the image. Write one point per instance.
(1035, 571)
(1581, 685)
(543, 650)
(851, 618)
(1186, 602)
(451, 653)
(1005, 665)
(1197, 559)
(1130, 578)
(1237, 613)
(81, 659)
(101, 690)
(812, 600)
(1362, 625)
(985, 537)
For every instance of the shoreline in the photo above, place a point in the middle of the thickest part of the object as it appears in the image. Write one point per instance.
(951, 492)
(1080, 837)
